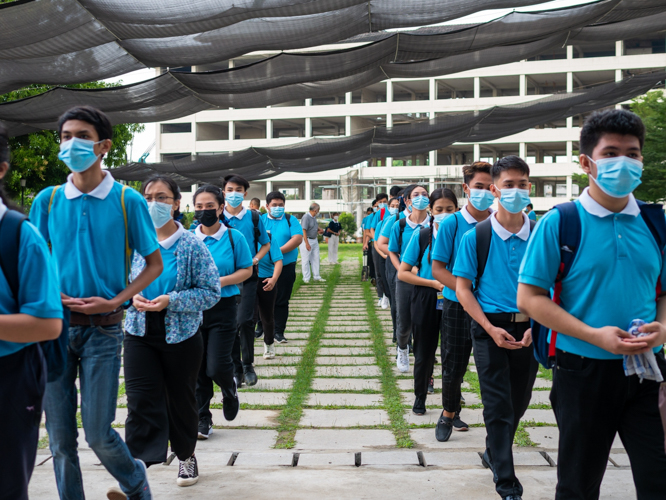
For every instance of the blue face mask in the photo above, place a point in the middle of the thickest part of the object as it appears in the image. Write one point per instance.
(382, 205)
(277, 212)
(439, 218)
(160, 213)
(481, 199)
(514, 200)
(618, 176)
(234, 199)
(393, 210)
(78, 154)
(420, 202)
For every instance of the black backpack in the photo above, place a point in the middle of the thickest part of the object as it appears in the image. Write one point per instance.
(55, 351)
(424, 240)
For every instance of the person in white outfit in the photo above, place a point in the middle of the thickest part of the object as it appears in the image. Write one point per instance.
(310, 246)
(333, 231)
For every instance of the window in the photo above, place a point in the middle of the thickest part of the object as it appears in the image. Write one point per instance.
(176, 128)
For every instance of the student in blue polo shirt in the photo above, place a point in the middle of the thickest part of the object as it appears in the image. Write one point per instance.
(250, 224)
(219, 328)
(287, 233)
(270, 268)
(424, 312)
(456, 345)
(612, 281)
(33, 316)
(93, 224)
(502, 337)
(531, 214)
(365, 229)
(381, 213)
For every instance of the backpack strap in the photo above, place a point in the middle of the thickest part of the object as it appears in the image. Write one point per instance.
(55, 188)
(231, 240)
(484, 233)
(402, 224)
(128, 250)
(653, 215)
(453, 243)
(288, 217)
(255, 223)
(10, 236)
(424, 241)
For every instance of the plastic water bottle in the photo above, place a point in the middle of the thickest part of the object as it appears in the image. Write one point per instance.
(634, 326)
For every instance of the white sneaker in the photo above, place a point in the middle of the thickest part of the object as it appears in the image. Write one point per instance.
(379, 303)
(269, 351)
(188, 472)
(319, 279)
(385, 302)
(403, 360)
(306, 281)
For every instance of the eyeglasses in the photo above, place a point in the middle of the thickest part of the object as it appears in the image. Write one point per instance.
(159, 199)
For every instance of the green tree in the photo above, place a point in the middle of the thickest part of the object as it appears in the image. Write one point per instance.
(348, 223)
(35, 156)
(652, 110)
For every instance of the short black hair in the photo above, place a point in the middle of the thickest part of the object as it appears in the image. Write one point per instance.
(469, 171)
(90, 115)
(382, 196)
(369, 210)
(275, 195)
(236, 179)
(395, 190)
(210, 188)
(610, 121)
(255, 201)
(531, 206)
(374, 201)
(511, 162)
(171, 184)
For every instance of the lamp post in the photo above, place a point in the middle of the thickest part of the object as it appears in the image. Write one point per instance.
(23, 182)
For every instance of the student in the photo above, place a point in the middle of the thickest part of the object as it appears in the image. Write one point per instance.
(394, 207)
(270, 268)
(219, 328)
(364, 228)
(30, 312)
(286, 232)
(501, 336)
(163, 347)
(333, 231)
(401, 232)
(380, 215)
(93, 223)
(456, 344)
(612, 281)
(235, 191)
(424, 313)
(310, 245)
(529, 210)
(255, 204)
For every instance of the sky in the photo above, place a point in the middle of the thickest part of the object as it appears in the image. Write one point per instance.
(145, 139)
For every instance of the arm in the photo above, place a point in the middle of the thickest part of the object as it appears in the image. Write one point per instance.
(263, 250)
(24, 328)
(405, 274)
(395, 260)
(372, 233)
(305, 240)
(443, 275)
(382, 245)
(269, 283)
(236, 277)
(293, 243)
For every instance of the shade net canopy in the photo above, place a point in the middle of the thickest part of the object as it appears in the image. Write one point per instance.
(86, 40)
(316, 155)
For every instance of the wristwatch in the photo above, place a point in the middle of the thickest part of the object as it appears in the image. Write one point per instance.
(255, 261)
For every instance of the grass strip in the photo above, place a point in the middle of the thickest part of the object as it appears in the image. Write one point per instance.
(293, 410)
(392, 397)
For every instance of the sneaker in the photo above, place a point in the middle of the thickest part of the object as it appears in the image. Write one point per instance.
(459, 425)
(403, 360)
(443, 429)
(249, 375)
(231, 405)
(188, 472)
(115, 493)
(379, 303)
(306, 281)
(239, 380)
(280, 339)
(385, 302)
(431, 386)
(205, 428)
(269, 351)
(320, 279)
(258, 334)
(419, 407)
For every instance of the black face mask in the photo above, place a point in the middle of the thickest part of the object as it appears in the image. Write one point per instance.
(207, 217)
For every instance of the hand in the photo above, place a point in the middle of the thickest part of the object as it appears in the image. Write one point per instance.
(437, 285)
(156, 305)
(269, 284)
(92, 305)
(527, 338)
(140, 302)
(223, 281)
(69, 301)
(503, 339)
(255, 261)
(365, 247)
(308, 247)
(617, 341)
(656, 337)
(320, 231)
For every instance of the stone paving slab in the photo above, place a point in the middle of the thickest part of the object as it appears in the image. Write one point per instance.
(346, 384)
(343, 439)
(345, 351)
(459, 459)
(264, 459)
(277, 360)
(345, 360)
(343, 418)
(344, 328)
(263, 398)
(270, 384)
(473, 439)
(346, 335)
(404, 458)
(272, 371)
(476, 416)
(540, 398)
(548, 437)
(238, 439)
(620, 459)
(247, 418)
(347, 371)
(530, 458)
(346, 342)
(280, 349)
(543, 383)
(326, 459)
(342, 399)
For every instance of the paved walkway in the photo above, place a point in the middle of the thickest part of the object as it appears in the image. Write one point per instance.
(332, 416)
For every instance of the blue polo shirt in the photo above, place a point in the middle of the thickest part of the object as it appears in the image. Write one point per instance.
(498, 286)
(243, 223)
(166, 281)
(445, 249)
(532, 216)
(411, 255)
(267, 263)
(39, 293)
(281, 232)
(87, 235)
(388, 224)
(406, 235)
(364, 222)
(227, 260)
(613, 278)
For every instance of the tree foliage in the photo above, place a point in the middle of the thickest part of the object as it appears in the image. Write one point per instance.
(652, 110)
(348, 223)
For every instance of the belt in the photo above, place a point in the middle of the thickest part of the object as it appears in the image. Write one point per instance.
(79, 319)
(507, 317)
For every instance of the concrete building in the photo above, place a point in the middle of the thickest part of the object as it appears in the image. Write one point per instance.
(549, 148)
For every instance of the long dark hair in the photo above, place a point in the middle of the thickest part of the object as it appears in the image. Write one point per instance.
(171, 184)
(438, 194)
(4, 157)
(219, 196)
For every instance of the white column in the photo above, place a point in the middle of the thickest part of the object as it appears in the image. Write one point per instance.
(432, 84)
(389, 91)
(431, 185)
(308, 127)
(618, 78)
(619, 48)
(269, 129)
(569, 187)
(522, 79)
(269, 187)
(308, 102)
(348, 98)
(308, 191)
(477, 87)
(232, 131)
(569, 89)
(477, 151)
(569, 150)
(389, 123)
(569, 51)
(432, 158)
(347, 125)
(522, 150)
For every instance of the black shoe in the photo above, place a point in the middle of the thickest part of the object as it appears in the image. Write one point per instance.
(488, 464)
(458, 424)
(419, 407)
(373, 281)
(231, 405)
(431, 386)
(279, 338)
(239, 380)
(444, 428)
(249, 376)
(205, 428)
(258, 334)
(188, 472)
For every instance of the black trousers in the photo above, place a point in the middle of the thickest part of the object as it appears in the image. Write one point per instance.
(160, 383)
(371, 262)
(285, 285)
(22, 384)
(593, 400)
(380, 270)
(244, 343)
(425, 328)
(506, 378)
(266, 303)
(218, 332)
(456, 349)
(391, 278)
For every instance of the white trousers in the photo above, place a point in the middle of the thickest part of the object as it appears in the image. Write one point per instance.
(333, 242)
(310, 257)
